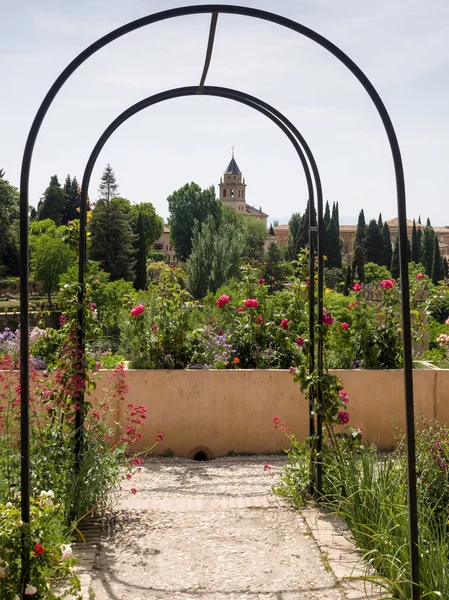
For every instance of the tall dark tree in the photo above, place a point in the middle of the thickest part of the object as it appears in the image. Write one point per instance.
(327, 215)
(336, 214)
(380, 223)
(348, 281)
(304, 237)
(437, 263)
(332, 245)
(387, 246)
(188, 205)
(141, 255)
(108, 187)
(427, 248)
(294, 237)
(394, 268)
(53, 203)
(374, 243)
(359, 256)
(9, 234)
(2, 173)
(271, 231)
(112, 239)
(72, 199)
(415, 244)
(445, 267)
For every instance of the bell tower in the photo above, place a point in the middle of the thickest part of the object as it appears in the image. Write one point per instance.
(232, 187)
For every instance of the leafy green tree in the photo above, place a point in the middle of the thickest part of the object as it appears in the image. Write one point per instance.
(387, 246)
(215, 255)
(188, 205)
(53, 204)
(334, 278)
(254, 235)
(9, 235)
(374, 243)
(108, 187)
(112, 239)
(273, 268)
(375, 273)
(141, 256)
(437, 263)
(395, 270)
(294, 237)
(359, 256)
(415, 244)
(50, 257)
(427, 248)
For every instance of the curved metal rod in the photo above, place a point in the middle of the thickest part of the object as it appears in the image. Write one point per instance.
(402, 230)
(276, 117)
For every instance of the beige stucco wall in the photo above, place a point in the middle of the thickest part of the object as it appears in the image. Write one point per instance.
(222, 411)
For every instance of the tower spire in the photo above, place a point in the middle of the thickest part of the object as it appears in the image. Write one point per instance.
(232, 150)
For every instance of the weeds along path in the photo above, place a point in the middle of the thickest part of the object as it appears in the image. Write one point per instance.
(208, 530)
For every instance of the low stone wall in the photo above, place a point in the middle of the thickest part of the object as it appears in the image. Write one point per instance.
(218, 412)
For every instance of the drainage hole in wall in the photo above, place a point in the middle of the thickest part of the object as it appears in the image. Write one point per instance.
(200, 455)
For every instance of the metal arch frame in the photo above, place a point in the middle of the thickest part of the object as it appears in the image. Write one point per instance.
(305, 154)
(402, 230)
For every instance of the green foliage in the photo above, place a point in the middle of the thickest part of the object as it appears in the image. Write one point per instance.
(294, 238)
(395, 269)
(188, 205)
(332, 245)
(9, 239)
(108, 187)
(304, 236)
(427, 248)
(254, 234)
(141, 253)
(334, 278)
(387, 247)
(437, 263)
(73, 197)
(156, 256)
(359, 256)
(273, 269)
(375, 273)
(415, 256)
(53, 204)
(374, 244)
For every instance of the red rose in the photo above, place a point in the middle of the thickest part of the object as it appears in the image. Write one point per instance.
(284, 323)
(344, 325)
(356, 287)
(261, 281)
(300, 341)
(137, 310)
(251, 303)
(387, 284)
(222, 300)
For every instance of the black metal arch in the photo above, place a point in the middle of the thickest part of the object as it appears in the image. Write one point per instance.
(215, 9)
(304, 153)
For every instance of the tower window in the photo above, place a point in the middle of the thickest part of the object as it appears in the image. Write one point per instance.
(224, 193)
(232, 193)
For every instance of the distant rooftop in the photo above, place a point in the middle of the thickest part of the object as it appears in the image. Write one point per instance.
(232, 168)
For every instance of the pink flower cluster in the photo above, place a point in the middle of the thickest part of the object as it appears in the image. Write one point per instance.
(137, 310)
(278, 424)
(443, 340)
(420, 276)
(343, 417)
(344, 326)
(284, 324)
(356, 287)
(387, 284)
(222, 300)
(251, 303)
(326, 318)
(447, 321)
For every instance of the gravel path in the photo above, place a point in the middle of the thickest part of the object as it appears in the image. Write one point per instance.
(210, 531)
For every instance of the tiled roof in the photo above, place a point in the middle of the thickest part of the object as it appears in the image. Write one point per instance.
(232, 168)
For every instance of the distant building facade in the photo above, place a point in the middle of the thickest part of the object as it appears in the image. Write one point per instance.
(348, 232)
(164, 245)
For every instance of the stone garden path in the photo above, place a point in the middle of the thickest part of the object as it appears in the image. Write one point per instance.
(209, 531)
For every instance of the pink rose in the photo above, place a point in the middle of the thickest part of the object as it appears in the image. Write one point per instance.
(261, 281)
(137, 310)
(267, 467)
(251, 303)
(387, 284)
(343, 417)
(420, 276)
(222, 300)
(344, 396)
(300, 341)
(259, 319)
(356, 287)
(326, 319)
(284, 323)
(447, 321)
(240, 309)
(344, 326)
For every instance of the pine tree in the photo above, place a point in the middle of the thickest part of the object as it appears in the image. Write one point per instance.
(387, 247)
(359, 256)
(415, 244)
(336, 215)
(374, 243)
(348, 281)
(427, 248)
(53, 203)
(380, 223)
(437, 267)
(108, 187)
(141, 255)
(2, 173)
(294, 237)
(394, 269)
(73, 199)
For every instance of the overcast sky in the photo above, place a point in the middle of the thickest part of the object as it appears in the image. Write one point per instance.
(401, 45)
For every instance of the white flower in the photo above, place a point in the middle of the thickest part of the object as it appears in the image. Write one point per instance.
(16, 597)
(67, 551)
(50, 494)
(30, 590)
(8, 505)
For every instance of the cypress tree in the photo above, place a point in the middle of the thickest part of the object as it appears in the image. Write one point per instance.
(327, 216)
(336, 215)
(445, 267)
(348, 281)
(437, 270)
(72, 201)
(374, 243)
(415, 244)
(332, 245)
(294, 237)
(359, 257)
(380, 222)
(271, 230)
(394, 270)
(427, 248)
(387, 248)
(304, 235)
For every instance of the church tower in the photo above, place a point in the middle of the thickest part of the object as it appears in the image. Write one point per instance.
(232, 188)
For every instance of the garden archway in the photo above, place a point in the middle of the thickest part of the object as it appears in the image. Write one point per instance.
(216, 9)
